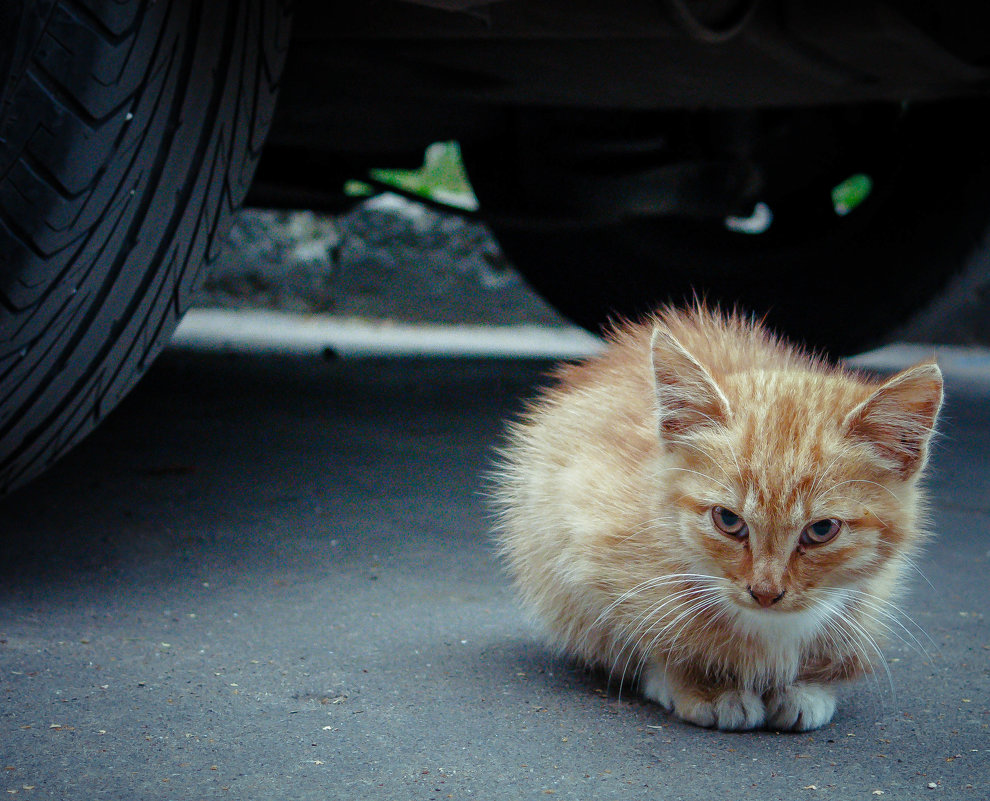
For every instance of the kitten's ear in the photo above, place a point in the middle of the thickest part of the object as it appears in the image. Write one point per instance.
(898, 419)
(687, 396)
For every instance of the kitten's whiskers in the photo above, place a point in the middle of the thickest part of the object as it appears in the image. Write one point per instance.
(697, 473)
(634, 632)
(883, 608)
(864, 481)
(710, 597)
(914, 566)
(709, 457)
(855, 636)
(822, 475)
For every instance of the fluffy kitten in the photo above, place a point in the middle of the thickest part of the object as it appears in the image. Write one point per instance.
(710, 509)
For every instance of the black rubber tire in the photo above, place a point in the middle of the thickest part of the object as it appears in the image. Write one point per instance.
(837, 284)
(129, 133)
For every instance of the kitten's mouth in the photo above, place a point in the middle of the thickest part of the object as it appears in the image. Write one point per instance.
(753, 606)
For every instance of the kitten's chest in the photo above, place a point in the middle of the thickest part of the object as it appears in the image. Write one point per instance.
(767, 647)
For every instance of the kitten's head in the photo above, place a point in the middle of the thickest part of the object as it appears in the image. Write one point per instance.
(795, 483)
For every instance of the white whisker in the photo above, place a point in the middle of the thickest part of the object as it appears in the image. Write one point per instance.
(643, 621)
(821, 476)
(704, 453)
(697, 473)
(864, 481)
(639, 632)
(883, 609)
(855, 637)
(914, 566)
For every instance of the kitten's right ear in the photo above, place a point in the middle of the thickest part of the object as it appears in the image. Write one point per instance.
(897, 420)
(687, 396)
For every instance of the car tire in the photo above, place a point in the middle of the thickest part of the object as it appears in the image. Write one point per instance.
(129, 133)
(837, 283)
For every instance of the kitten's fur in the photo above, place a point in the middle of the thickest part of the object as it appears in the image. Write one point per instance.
(606, 489)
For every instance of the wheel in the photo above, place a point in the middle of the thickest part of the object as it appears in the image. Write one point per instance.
(833, 277)
(129, 132)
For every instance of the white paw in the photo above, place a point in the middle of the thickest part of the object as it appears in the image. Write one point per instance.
(653, 685)
(733, 710)
(729, 710)
(800, 707)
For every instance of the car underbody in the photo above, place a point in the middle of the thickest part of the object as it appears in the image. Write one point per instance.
(370, 84)
(625, 155)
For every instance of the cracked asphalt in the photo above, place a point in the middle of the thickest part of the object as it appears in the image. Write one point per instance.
(272, 578)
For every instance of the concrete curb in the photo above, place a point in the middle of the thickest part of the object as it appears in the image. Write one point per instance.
(280, 333)
(253, 331)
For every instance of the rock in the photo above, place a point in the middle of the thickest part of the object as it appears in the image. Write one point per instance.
(388, 258)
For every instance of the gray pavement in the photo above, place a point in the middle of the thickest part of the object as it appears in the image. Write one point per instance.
(271, 578)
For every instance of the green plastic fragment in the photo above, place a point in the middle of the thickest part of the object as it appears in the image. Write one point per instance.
(851, 193)
(441, 178)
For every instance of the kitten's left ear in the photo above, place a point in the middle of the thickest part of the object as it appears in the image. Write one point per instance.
(898, 419)
(687, 396)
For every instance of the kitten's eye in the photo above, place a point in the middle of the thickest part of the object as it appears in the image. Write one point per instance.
(820, 532)
(728, 522)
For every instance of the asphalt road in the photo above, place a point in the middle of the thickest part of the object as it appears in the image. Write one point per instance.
(271, 578)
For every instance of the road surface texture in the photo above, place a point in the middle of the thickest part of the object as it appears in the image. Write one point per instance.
(271, 578)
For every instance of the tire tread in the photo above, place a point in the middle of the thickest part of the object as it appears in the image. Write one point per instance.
(100, 258)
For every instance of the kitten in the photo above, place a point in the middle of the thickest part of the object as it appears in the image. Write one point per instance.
(708, 508)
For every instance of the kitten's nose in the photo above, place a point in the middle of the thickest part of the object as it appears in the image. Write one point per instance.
(766, 597)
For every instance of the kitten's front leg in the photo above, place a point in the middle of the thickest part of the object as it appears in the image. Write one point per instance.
(809, 703)
(729, 709)
(802, 706)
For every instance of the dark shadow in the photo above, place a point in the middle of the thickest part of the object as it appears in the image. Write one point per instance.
(211, 450)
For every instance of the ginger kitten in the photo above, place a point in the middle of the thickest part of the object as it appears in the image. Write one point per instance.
(708, 508)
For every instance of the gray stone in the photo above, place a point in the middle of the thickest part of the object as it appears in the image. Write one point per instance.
(389, 258)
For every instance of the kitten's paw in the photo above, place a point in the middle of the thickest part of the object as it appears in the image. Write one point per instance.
(729, 710)
(654, 685)
(800, 707)
(733, 710)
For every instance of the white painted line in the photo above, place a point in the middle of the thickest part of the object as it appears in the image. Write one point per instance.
(254, 331)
